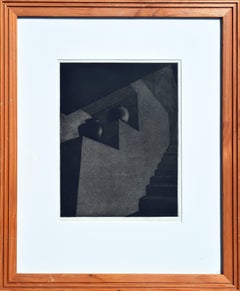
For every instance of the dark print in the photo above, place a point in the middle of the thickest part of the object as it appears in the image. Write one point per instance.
(119, 139)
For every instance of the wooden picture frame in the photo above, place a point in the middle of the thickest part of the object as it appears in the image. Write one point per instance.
(226, 10)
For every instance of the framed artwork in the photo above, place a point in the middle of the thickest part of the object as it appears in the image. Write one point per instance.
(119, 145)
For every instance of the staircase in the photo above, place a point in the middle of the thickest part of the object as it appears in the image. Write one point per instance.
(161, 193)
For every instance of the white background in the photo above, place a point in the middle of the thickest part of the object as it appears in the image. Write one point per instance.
(47, 244)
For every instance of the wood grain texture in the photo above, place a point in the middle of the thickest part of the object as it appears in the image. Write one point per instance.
(5, 145)
(235, 148)
(2, 125)
(89, 288)
(228, 11)
(12, 142)
(115, 12)
(227, 146)
(238, 143)
(186, 3)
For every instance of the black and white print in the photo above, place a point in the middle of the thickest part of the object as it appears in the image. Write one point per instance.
(119, 139)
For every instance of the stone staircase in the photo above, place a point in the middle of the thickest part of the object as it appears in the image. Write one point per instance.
(161, 193)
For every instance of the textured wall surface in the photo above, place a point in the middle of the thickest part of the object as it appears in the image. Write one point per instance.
(112, 180)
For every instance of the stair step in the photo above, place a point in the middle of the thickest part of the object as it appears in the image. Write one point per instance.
(167, 166)
(166, 171)
(159, 190)
(162, 180)
(168, 161)
(158, 206)
(170, 156)
(172, 149)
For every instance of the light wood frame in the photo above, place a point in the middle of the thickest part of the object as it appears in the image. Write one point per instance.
(228, 12)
